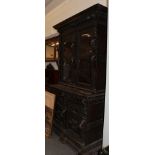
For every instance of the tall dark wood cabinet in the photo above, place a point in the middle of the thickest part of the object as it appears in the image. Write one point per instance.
(80, 93)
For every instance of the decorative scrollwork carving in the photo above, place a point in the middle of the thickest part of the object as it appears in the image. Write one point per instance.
(82, 124)
(93, 58)
(93, 43)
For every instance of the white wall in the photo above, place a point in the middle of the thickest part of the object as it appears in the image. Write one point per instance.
(65, 10)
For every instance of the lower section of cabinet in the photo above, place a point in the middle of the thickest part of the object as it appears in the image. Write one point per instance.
(78, 118)
(83, 137)
(81, 149)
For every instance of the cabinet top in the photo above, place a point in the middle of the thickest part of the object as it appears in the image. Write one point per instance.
(92, 12)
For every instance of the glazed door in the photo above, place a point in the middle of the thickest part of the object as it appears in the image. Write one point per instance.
(68, 69)
(86, 57)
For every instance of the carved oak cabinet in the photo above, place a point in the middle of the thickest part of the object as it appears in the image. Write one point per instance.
(79, 110)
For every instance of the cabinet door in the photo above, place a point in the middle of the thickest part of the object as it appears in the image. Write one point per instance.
(86, 56)
(68, 69)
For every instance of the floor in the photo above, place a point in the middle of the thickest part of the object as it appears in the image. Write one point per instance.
(54, 147)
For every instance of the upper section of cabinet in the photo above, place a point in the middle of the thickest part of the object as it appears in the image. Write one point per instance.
(97, 13)
(83, 48)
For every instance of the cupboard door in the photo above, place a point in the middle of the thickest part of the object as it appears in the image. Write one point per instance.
(68, 58)
(86, 56)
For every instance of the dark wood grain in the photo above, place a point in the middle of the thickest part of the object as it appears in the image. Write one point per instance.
(79, 110)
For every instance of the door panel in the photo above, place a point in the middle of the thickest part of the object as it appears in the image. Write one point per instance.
(86, 56)
(68, 58)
